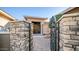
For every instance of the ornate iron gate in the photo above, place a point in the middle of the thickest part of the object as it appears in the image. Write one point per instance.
(20, 36)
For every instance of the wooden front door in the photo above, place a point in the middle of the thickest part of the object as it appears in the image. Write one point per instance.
(36, 27)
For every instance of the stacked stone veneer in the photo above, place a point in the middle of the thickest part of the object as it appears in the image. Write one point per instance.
(20, 36)
(69, 33)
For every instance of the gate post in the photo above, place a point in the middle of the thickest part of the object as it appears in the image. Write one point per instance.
(30, 38)
(69, 32)
(53, 38)
(20, 36)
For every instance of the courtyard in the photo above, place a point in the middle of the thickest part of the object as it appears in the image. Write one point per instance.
(41, 43)
(35, 33)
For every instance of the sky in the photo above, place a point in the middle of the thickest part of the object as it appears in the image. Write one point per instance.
(19, 12)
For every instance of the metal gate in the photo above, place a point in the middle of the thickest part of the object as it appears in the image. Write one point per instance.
(20, 36)
(54, 38)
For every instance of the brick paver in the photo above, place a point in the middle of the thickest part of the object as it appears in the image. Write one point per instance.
(41, 43)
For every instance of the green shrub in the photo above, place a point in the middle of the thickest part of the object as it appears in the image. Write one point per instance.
(58, 16)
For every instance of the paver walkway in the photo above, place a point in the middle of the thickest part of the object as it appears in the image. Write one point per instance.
(41, 43)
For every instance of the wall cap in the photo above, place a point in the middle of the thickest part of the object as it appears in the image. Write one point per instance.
(68, 15)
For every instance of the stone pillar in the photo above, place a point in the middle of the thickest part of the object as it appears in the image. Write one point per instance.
(20, 36)
(69, 32)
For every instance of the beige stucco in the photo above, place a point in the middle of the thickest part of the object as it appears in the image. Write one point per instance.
(43, 21)
(5, 18)
(46, 29)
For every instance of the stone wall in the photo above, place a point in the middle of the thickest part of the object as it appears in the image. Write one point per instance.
(20, 36)
(69, 32)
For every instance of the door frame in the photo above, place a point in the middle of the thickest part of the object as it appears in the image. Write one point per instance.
(40, 27)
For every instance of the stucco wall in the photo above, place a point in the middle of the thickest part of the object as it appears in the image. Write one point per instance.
(5, 18)
(44, 25)
(35, 20)
(4, 42)
(46, 29)
(69, 33)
